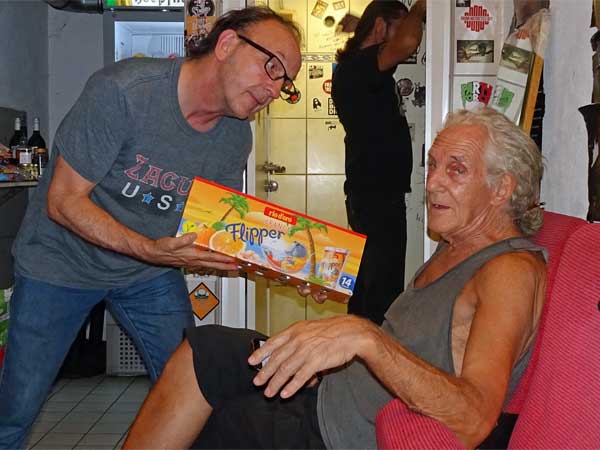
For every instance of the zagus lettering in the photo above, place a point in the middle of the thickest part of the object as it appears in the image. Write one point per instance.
(280, 215)
(252, 235)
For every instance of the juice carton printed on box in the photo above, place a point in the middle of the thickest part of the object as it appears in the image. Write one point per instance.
(273, 241)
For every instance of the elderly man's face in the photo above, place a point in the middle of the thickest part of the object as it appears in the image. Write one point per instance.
(458, 198)
(248, 87)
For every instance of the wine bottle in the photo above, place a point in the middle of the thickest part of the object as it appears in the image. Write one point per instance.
(15, 139)
(36, 140)
(24, 158)
(40, 151)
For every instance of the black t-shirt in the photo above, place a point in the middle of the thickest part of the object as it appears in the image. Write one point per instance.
(378, 144)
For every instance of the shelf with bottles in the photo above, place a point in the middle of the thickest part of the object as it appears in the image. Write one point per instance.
(26, 157)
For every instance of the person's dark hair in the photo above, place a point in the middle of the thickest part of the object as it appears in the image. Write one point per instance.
(388, 10)
(239, 20)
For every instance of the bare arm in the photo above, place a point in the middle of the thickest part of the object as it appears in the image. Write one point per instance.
(469, 404)
(69, 205)
(406, 38)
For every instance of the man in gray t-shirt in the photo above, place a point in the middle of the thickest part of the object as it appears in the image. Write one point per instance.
(102, 221)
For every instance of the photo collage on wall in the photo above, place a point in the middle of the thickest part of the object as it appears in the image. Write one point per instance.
(476, 51)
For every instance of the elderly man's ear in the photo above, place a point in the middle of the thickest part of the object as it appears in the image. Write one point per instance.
(504, 190)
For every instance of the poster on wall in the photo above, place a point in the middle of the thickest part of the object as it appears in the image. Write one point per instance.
(469, 92)
(200, 15)
(478, 29)
(508, 99)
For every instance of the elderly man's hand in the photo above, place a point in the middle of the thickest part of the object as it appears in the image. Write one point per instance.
(304, 290)
(305, 348)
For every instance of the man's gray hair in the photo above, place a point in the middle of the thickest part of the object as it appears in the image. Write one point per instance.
(509, 150)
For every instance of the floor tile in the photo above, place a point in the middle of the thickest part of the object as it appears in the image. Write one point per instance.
(118, 417)
(80, 427)
(110, 428)
(89, 413)
(89, 406)
(88, 416)
(68, 395)
(121, 406)
(101, 439)
(51, 416)
(58, 440)
(52, 405)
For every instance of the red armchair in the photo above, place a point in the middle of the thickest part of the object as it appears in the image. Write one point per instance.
(558, 397)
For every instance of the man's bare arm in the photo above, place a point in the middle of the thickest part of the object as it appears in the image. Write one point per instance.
(69, 205)
(407, 37)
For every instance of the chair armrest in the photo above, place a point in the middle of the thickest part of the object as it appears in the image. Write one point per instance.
(397, 427)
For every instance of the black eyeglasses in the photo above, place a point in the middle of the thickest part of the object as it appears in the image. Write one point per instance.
(276, 71)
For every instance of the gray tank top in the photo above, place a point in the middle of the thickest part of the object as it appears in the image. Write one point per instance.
(421, 320)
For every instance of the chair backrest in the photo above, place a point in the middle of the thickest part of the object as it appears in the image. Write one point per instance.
(561, 408)
(553, 236)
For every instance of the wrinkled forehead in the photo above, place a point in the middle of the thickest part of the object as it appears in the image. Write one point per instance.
(470, 139)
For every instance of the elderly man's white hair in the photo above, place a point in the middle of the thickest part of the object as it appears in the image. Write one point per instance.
(509, 150)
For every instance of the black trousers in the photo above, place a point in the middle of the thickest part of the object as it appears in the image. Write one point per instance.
(381, 275)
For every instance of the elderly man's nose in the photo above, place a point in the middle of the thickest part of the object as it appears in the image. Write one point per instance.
(434, 180)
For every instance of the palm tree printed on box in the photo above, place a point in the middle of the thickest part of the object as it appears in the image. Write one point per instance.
(235, 202)
(304, 224)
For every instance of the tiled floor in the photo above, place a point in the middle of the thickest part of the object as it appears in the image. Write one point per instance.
(88, 413)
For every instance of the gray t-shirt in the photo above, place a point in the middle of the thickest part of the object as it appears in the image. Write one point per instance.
(421, 320)
(127, 134)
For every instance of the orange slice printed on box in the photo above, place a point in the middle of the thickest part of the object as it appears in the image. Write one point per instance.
(203, 234)
(223, 242)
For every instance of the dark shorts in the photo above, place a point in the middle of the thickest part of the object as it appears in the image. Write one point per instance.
(243, 418)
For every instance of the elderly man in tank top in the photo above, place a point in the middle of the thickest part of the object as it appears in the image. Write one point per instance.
(453, 345)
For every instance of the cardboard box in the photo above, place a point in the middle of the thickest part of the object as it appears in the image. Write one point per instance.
(273, 241)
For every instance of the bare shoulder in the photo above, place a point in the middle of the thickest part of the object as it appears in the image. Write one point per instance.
(519, 272)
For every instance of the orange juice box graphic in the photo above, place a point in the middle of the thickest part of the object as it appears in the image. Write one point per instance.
(272, 241)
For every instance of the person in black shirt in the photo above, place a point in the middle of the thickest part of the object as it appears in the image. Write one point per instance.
(378, 146)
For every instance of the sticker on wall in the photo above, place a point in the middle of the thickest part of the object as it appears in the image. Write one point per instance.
(476, 18)
(327, 87)
(508, 99)
(340, 4)
(468, 51)
(316, 104)
(203, 301)
(330, 125)
(331, 107)
(405, 86)
(199, 19)
(515, 64)
(419, 99)
(319, 9)
(475, 91)
(503, 98)
(471, 92)
(329, 21)
(315, 71)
